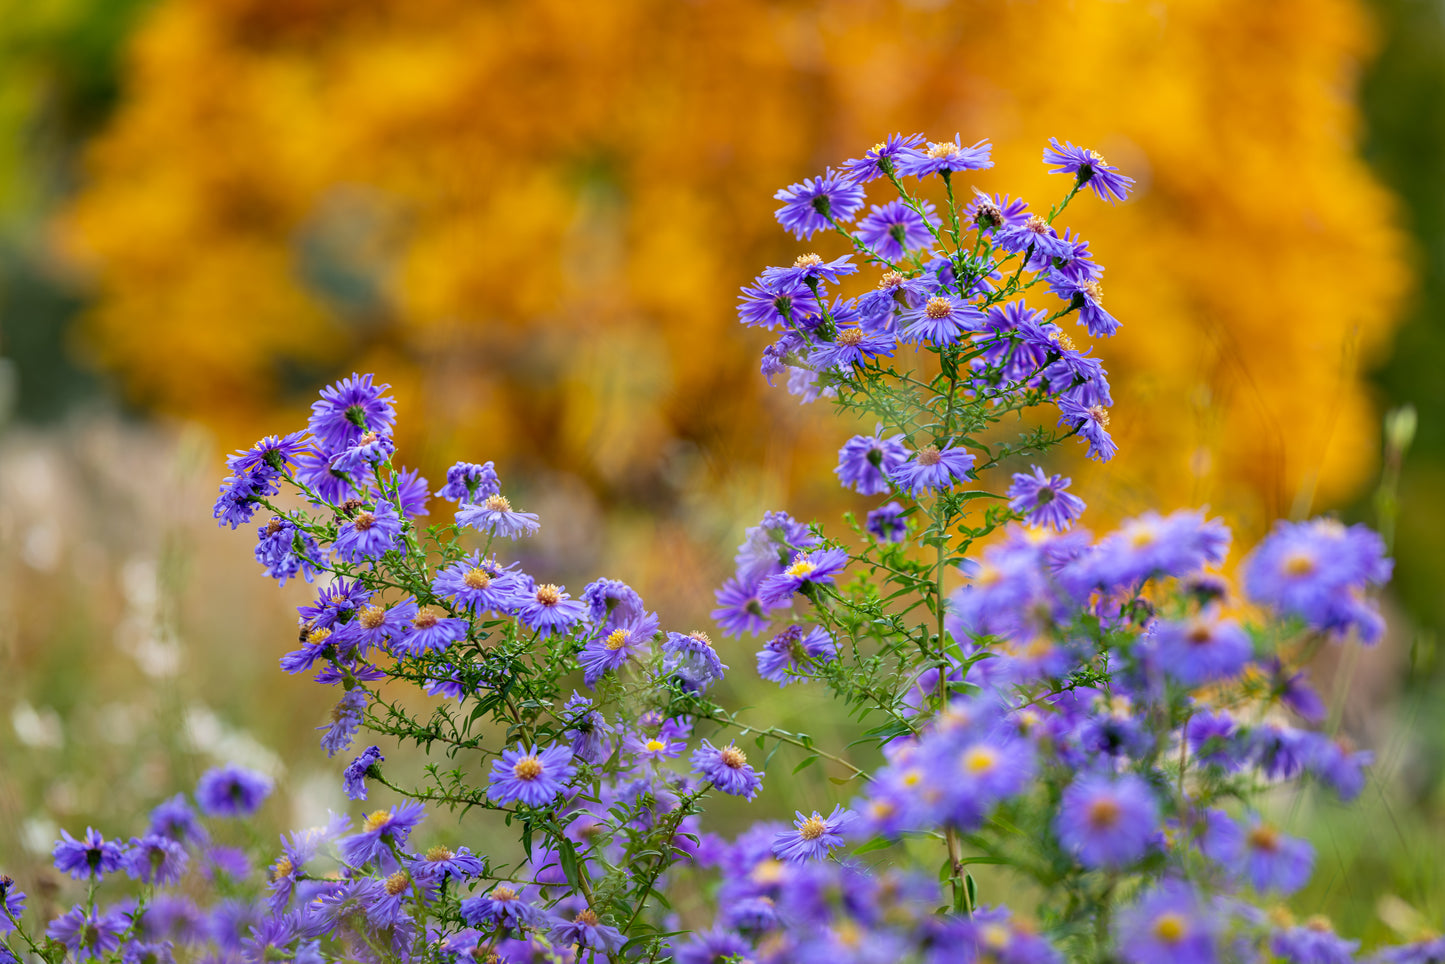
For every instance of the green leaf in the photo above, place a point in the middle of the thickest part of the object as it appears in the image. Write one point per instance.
(809, 761)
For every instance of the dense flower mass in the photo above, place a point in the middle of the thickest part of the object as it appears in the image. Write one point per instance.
(1091, 717)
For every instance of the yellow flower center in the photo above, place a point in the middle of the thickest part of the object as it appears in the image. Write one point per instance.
(375, 821)
(891, 279)
(812, 828)
(1103, 813)
(1036, 224)
(801, 568)
(1065, 342)
(371, 617)
(438, 854)
(807, 261)
(701, 637)
(1264, 837)
(1095, 291)
(732, 757)
(980, 759)
(938, 308)
(549, 595)
(1299, 564)
(318, 636)
(477, 579)
(283, 868)
(850, 337)
(528, 768)
(942, 149)
(363, 521)
(1170, 927)
(586, 916)
(929, 455)
(497, 503)
(397, 882)
(504, 894)
(424, 619)
(995, 936)
(768, 871)
(616, 639)
(654, 746)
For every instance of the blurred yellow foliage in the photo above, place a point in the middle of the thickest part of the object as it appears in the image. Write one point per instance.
(533, 217)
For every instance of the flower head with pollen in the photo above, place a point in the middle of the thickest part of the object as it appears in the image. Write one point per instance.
(550, 609)
(530, 776)
(728, 770)
(1107, 822)
(495, 516)
(818, 567)
(812, 836)
(380, 831)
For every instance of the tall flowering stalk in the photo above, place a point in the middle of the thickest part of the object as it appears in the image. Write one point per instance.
(1096, 717)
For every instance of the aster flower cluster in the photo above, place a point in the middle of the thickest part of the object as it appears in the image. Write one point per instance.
(1096, 717)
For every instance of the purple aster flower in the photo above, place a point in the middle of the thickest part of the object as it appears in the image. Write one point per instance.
(231, 791)
(369, 534)
(240, 497)
(991, 212)
(345, 721)
(495, 516)
(607, 652)
(1272, 861)
(285, 551)
(587, 729)
(469, 482)
(174, 818)
(379, 831)
(1316, 943)
(941, 320)
(1091, 422)
(788, 656)
(12, 903)
(503, 907)
(413, 492)
(778, 301)
(587, 933)
(769, 546)
(894, 229)
(1319, 571)
(532, 776)
(866, 461)
(363, 454)
(1202, 650)
(92, 857)
(373, 626)
(365, 765)
(1169, 923)
(1107, 822)
(1036, 239)
(1042, 500)
(812, 267)
(550, 609)
(1089, 169)
(727, 769)
(895, 292)
(1085, 295)
(932, 468)
(808, 569)
(349, 409)
(812, 837)
(812, 205)
(269, 455)
(1212, 738)
(883, 158)
(887, 523)
(154, 859)
(640, 746)
(89, 935)
(946, 156)
(313, 469)
(739, 609)
(612, 603)
(852, 345)
(481, 584)
(429, 631)
(692, 659)
(1152, 545)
